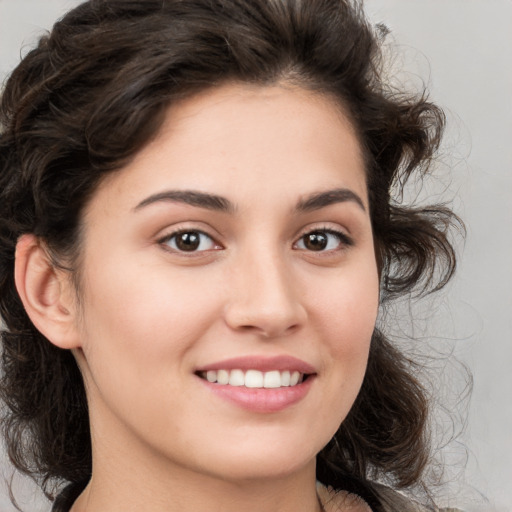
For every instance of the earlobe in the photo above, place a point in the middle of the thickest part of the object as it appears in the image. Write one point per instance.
(45, 293)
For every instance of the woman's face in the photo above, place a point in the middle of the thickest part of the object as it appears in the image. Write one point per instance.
(234, 252)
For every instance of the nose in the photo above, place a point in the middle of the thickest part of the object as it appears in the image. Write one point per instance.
(263, 298)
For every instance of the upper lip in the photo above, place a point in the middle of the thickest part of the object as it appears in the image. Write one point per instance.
(261, 363)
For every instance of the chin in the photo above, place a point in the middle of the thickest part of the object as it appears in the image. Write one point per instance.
(272, 461)
(256, 471)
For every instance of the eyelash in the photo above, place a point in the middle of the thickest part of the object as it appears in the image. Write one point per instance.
(343, 239)
(165, 241)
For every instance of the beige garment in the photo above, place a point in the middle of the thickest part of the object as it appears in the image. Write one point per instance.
(391, 501)
(340, 501)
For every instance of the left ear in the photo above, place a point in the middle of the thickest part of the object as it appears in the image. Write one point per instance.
(46, 292)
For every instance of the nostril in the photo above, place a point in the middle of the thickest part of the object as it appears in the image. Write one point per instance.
(276, 313)
(270, 330)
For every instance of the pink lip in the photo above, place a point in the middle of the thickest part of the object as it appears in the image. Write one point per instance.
(261, 400)
(261, 363)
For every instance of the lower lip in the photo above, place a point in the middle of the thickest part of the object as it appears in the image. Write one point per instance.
(262, 400)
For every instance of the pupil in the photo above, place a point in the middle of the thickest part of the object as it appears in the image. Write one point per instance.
(315, 241)
(188, 241)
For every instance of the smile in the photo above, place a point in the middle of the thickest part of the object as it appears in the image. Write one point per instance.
(254, 378)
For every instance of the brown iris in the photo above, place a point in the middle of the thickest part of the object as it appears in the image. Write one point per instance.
(188, 241)
(315, 241)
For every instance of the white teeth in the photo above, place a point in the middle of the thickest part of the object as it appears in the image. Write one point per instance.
(294, 378)
(272, 380)
(223, 377)
(254, 378)
(236, 378)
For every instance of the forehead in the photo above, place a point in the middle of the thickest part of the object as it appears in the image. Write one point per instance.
(244, 141)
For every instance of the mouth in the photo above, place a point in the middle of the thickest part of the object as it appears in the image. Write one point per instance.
(259, 383)
(254, 378)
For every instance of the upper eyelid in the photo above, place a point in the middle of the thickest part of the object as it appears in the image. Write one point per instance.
(175, 232)
(343, 237)
(190, 230)
(171, 231)
(335, 229)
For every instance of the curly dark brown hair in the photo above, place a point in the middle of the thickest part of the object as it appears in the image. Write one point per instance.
(95, 91)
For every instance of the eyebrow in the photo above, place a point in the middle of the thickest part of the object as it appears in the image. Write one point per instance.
(310, 203)
(322, 199)
(191, 197)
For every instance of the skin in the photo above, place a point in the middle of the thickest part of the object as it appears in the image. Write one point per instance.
(149, 315)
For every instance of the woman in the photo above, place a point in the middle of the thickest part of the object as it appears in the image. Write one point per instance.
(196, 236)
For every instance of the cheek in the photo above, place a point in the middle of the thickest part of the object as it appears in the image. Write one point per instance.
(147, 320)
(350, 303)
(343, 313)
(346, 314)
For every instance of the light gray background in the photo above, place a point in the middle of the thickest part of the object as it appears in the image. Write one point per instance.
(462, 49)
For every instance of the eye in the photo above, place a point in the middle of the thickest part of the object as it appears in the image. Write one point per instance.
(189, 241)
(323, 240)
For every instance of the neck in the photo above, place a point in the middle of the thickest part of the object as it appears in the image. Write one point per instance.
(128, 477)
(188, 493)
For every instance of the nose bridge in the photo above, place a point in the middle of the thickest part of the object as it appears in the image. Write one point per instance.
(264, 297)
